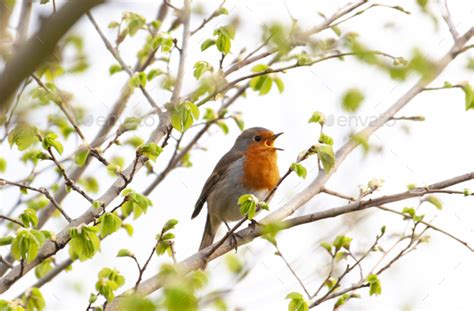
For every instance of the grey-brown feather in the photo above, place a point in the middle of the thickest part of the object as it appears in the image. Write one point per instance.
(224, 187)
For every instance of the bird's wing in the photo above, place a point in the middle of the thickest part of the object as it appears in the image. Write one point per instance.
(217, 174)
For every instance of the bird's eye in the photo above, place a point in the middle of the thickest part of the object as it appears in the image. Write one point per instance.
(257, 138)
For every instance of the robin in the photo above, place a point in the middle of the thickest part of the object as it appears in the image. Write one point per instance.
(249, 167)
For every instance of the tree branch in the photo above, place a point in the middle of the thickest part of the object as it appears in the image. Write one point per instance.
(40, 46)
(199, 259)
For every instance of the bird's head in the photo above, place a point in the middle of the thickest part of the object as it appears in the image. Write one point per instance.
(257, 138)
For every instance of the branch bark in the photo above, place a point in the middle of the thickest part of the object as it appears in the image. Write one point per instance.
(199, 259)
(40, 46)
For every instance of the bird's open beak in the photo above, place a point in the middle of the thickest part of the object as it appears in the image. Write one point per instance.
(273, 138)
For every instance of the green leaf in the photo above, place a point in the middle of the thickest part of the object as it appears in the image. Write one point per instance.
(299, 169)
(469, 96)
(130, 124)
(270, 231)
(150, 150)
(28, 217)
(200, 68)
(259, 68)
(327, 246)
(23, 136)
(26, 244)
(279, 83)
(139, 79)
(49, 141)
(361, 140)
(108, 281)
(81, 156)
(233, 263)
(128, 228)
(170, 224)
(342, 241)
(434, 200)
(207, 43)
(248, 205)
(113, 69)
(184, 115)
(223, 44)
(44, 267)
(124, 253)
(352, 99)
(3, 165)
(90, 184)
(84, 242)
(153, 74)
(317, 117)
(33, 300)
(113, 25)
(108, 224)
(375, 286)
(326, 139)
(410, 211)
(6, 240)
(134, 202)
(135, 302)
(326, 155)
(297, 302)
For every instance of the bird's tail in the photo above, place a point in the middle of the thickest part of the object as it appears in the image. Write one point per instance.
(208, 235)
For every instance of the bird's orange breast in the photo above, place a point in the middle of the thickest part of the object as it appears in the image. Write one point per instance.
(260, 168)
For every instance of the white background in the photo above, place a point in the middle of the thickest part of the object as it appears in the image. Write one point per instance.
(437, 276)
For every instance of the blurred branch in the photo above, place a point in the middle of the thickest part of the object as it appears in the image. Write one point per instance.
(214, 14)
(62, 238)
(431, 226)
(40, 46)
(43, 191)
(115, 53)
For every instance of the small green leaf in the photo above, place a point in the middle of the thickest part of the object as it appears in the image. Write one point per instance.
(33, 300)
(6, 240)
(375, 286)
(327, 246)
(108, 281)
(317, 117)
(233, 263)
(297, 302)
(207, 43)
(130, 124)
(108, 224)
(326, 139)
(248, 205)
(184, 115)
(113, 69)
(352, 100)
(299, 169)
(49, 141)
(124, 253)
(81, 156)
(84, 242)
(200, 68)
(279, 83)
(3, 165)
(153, 74)
(469, 96)
(434, 200)
(342, 241)
(150, 150)
(326, 155)
(44, 267)
(23, 136)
